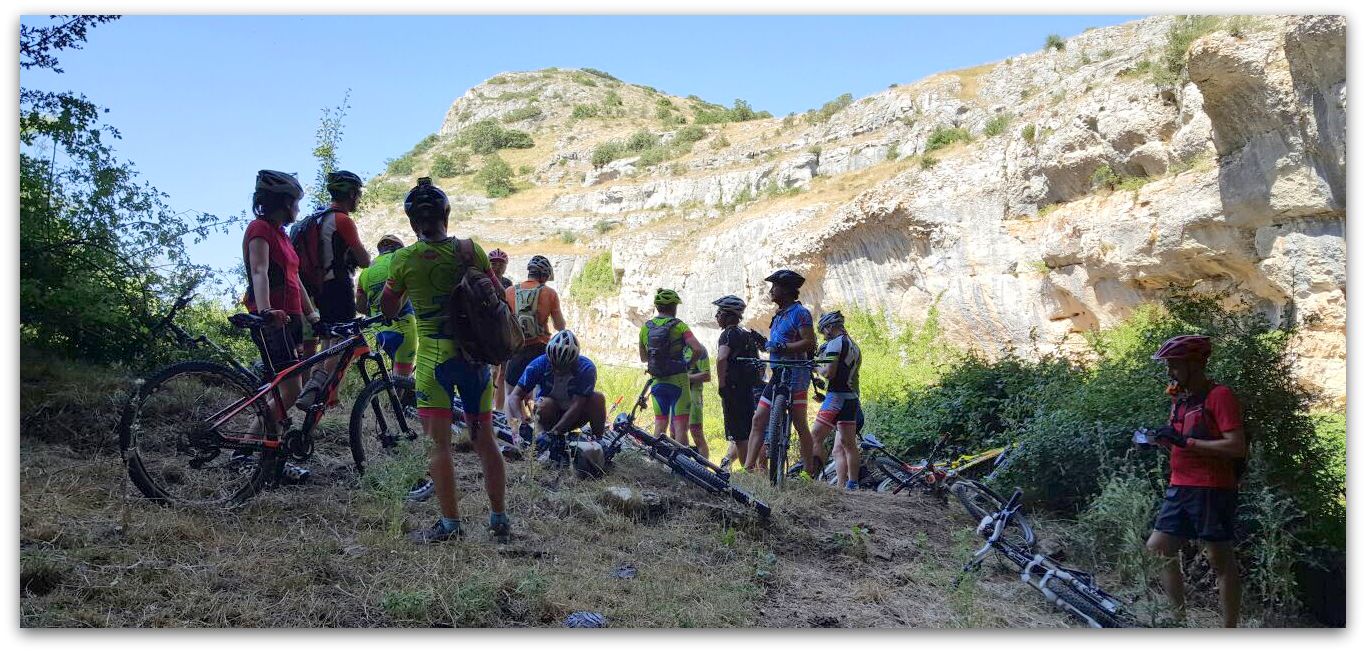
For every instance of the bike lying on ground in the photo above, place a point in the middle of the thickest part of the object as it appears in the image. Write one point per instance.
(681, 459)
(203, 432)
(1068, 589)
(936, 477)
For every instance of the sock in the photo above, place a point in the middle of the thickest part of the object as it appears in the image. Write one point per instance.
(851, 485)
(450, 524)
(496, 518)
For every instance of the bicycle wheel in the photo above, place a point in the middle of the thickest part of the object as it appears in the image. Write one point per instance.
(1096, 616)
(173, 452)
(777, 436)
(382, 417)
(981, 501)
(895, 475)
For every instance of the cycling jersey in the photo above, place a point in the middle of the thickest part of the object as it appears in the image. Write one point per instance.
(695, 390)
(560, 386)
(786, 327)
(398, 339)
(1219, 411)
(847, 360)
(671, 394)
(426, 272)
(285, 294)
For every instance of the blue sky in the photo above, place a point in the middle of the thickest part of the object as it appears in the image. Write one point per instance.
(205, 101)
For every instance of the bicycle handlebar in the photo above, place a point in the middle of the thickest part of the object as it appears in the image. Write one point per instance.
(791, 363)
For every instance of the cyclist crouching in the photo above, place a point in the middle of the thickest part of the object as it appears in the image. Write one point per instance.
(565, 384)
(840, 411)
(425, 273)
(790, 337)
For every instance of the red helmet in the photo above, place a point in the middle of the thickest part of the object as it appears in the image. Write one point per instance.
(498, 255)
(1193, 347)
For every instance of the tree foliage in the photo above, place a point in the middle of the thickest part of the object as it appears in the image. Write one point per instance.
(326, 141)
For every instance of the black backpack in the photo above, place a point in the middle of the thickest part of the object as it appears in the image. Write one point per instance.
(743, 343)
(663, 354)
(477, 314)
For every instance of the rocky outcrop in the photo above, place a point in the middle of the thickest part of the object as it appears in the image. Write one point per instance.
(1086, 190)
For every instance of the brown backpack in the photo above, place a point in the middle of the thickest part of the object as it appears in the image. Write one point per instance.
(477, 314)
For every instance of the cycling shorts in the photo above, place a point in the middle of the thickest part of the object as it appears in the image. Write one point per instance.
(671, 399)
(520, 360)
(442, 373)
(398, 345)
(798, 380)
(1198, 513)
(335, 300)
(737, 408)
(839, 408)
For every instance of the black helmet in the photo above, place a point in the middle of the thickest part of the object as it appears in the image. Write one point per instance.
(283, 183)
(539, 266)
(786, 278)
(425, 195)
(343, 182)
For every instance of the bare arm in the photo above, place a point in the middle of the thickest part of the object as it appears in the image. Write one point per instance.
(722, 356)
(1229, 444)
(309, 308)
(807, 342)
(362, 301)
(557, 317)
(258, 257)
(390, 302)
(514, 403)
(360, 255)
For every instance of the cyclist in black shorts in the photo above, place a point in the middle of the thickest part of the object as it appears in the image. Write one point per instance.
(738, 383)
(840, 410)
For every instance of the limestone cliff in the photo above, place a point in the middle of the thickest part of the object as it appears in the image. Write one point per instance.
(1086, 184)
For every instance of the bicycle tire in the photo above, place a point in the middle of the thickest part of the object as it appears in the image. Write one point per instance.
(699, 475)
(980, 501)
(167, 479)
(1078, 601)
(778, 423)
(375, 426)
(894, 475)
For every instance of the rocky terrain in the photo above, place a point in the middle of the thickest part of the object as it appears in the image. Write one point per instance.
(1030, 200)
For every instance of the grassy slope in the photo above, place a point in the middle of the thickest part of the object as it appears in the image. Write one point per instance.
(93, 553)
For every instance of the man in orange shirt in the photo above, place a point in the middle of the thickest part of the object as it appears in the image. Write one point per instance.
(534, 305)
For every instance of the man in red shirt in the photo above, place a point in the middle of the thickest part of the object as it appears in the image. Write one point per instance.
(1207, 444)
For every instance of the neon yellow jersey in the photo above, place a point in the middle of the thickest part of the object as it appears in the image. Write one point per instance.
(426, 272)
(372, 280)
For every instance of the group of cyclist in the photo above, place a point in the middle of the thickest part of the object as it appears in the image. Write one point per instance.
(410, 283)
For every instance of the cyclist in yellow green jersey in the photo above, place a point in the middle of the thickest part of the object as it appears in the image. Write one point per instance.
(399, 338)
(425, 273)
(699, 372)
(662, 341)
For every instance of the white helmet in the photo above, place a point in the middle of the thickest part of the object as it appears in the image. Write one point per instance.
(563, 349)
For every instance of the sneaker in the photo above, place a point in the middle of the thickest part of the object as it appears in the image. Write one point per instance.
(435, 533)
(851, 485)
(422, 490)
(501, 529)
(309, 396)
(294, 474)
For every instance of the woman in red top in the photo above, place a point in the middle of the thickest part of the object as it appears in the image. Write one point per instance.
(273, 288)
(1206, 440)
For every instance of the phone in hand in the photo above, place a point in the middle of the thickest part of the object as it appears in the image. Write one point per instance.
(1145, 437)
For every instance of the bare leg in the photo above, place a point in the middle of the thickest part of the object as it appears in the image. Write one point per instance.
(807, 447)
(699, 438)
(499, 390)
(756, 459)
(818, 434)
(495, 479)
(442, 469)
(1225, 564)
(1168, 547)
(846, 441)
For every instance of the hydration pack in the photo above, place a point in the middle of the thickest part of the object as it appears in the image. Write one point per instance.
(663, 352)
(743, 343)
(323, 253)
(527, 298)
(477, 314)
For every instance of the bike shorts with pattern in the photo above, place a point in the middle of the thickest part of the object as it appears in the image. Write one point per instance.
(399, 346)
(695, 413)
(442, 372)
(670, 396)
(799, 380)
(839, 408)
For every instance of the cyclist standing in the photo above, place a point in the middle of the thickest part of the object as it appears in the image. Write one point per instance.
(738, 383)
(662, 341)
(566, 389)
(399, 338)
(840, 411)
(790, 337)
(699, 372)
(535, 305)
(1207, 443)
(499, 260)
(331, 252)
(425, 273)
(274, 290)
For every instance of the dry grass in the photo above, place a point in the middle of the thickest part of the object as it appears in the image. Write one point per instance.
(970, 79)
(330, 553)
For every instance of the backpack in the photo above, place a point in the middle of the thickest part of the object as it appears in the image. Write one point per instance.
(526, 311)
(662, 356)
(477, 314)
(743, 343)
(323, 254)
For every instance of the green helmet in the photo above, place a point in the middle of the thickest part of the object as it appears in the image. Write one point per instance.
(343, 182)
(666, 297)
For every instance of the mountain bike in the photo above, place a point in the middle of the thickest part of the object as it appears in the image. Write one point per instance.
(778, 434)
(202, 432)
(1071, 590)
(936, 476)
(685, 462)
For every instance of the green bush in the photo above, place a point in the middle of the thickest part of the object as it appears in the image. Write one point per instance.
(495, 177)
(608, 152)
(893, 152)
(710, 114)
(641, 141)
(425, 144)
(1027, 133)
(585, 111)
(525, 169)
(569, 236)
(945, 136)
(611, 100)
(1054, 42)
(1171, 68)
(829, 109)
(450, 165)
(597, 279)
(720, 142)
(1104, 177)
(598, 73)
(401, 166)
(690, 134)
(580, 78)
(604, 226)
(927, 162)
(487, 136)
(997, 125)
(524, 113)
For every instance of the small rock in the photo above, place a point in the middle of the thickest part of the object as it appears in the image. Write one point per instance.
(622, 499)
(825, 622)
(625, 572)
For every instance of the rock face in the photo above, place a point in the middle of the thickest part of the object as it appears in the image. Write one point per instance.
(1085, 191)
